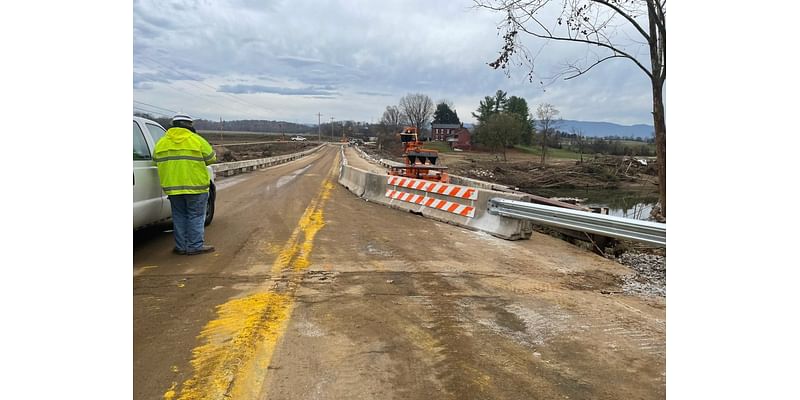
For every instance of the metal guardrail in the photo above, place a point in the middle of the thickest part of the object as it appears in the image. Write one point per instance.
(606, 225)
(234, 167)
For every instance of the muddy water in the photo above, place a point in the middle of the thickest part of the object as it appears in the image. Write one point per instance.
(621, 203)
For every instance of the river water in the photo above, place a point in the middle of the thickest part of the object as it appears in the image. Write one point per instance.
(634, 204)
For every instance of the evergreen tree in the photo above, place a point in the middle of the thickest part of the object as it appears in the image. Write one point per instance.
(518, 107)
(445, 115)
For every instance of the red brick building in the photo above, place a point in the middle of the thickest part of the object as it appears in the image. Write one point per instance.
(461, 139)
(441, 132)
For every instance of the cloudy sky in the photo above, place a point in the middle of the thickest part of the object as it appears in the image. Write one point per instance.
(349, 59)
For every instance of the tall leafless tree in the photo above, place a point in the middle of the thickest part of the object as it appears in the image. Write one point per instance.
(418, 108)
(392, 118)
(579, 139)
(547, 119)
(610, 29)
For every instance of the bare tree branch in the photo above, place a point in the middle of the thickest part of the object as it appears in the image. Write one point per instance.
(590, 67)
(624, 15)
(601, 44)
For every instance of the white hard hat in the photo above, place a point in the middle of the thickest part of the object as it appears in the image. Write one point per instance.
(182, 117)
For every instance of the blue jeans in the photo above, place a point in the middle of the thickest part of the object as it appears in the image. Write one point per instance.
(188, 220)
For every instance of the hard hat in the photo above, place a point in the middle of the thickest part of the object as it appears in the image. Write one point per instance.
(182, 117)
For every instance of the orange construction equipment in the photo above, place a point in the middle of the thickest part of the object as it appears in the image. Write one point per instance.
(420, 163)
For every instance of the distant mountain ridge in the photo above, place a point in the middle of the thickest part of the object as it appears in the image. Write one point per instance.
(603, 129)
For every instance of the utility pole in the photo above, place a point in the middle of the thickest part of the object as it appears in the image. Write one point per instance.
(332, 128)
(319, 128)
(221, 128)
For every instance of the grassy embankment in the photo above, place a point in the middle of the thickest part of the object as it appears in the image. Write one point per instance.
(441, 147)
(551, 152)
(569, 154)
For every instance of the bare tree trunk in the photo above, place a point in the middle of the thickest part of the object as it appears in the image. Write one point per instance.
(658, 59)
(544, 145)
(661, 145)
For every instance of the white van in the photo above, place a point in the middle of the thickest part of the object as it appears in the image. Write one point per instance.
(150, 203)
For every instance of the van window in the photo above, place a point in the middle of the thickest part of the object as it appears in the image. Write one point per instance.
(140, 149)
(156, 132)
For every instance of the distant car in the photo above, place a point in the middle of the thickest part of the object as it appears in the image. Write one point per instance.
(150, 203)
(299, 139)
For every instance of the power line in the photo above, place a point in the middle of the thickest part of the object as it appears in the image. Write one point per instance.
(144, 110)
(185, 93)
(228, 106)
(215, 90)
(213, 101)
(156, 107)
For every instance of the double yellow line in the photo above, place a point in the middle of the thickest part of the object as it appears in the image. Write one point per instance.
(238, 345)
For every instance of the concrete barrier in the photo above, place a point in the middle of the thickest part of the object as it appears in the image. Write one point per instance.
(375, 187)
(238, 167)
(505, 228)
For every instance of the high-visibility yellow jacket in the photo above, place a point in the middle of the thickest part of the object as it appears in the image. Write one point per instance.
(181, 157)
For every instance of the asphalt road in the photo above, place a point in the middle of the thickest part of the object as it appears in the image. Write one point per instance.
(316, 294)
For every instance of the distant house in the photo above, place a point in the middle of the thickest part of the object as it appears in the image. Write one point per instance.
(440, 132)
(461, 139)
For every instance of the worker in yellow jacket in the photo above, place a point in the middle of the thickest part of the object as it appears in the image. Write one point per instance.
(181, 156)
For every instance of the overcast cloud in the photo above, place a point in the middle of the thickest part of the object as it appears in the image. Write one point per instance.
(289, 60)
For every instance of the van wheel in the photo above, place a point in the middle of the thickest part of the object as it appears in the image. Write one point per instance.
(212, 197)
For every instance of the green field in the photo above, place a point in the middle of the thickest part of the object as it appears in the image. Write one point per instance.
(441, 147)
(633, 143)
(551, 152)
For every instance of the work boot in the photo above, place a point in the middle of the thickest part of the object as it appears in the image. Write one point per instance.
(202, 250)
(176, 250)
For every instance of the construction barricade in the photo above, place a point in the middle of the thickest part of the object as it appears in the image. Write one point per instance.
(455, 204)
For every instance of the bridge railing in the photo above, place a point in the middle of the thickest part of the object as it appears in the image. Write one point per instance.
(606, 225)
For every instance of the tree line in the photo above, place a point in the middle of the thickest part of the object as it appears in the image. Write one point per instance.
(417, 109)
(251, 125)
(503, 122)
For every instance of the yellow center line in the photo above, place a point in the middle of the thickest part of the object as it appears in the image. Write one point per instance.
(238, 345)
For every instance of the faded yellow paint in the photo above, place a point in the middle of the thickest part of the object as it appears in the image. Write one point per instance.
(170, 394)
(238, 345)
(243, 335)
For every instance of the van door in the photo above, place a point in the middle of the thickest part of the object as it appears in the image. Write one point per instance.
(147, 194)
